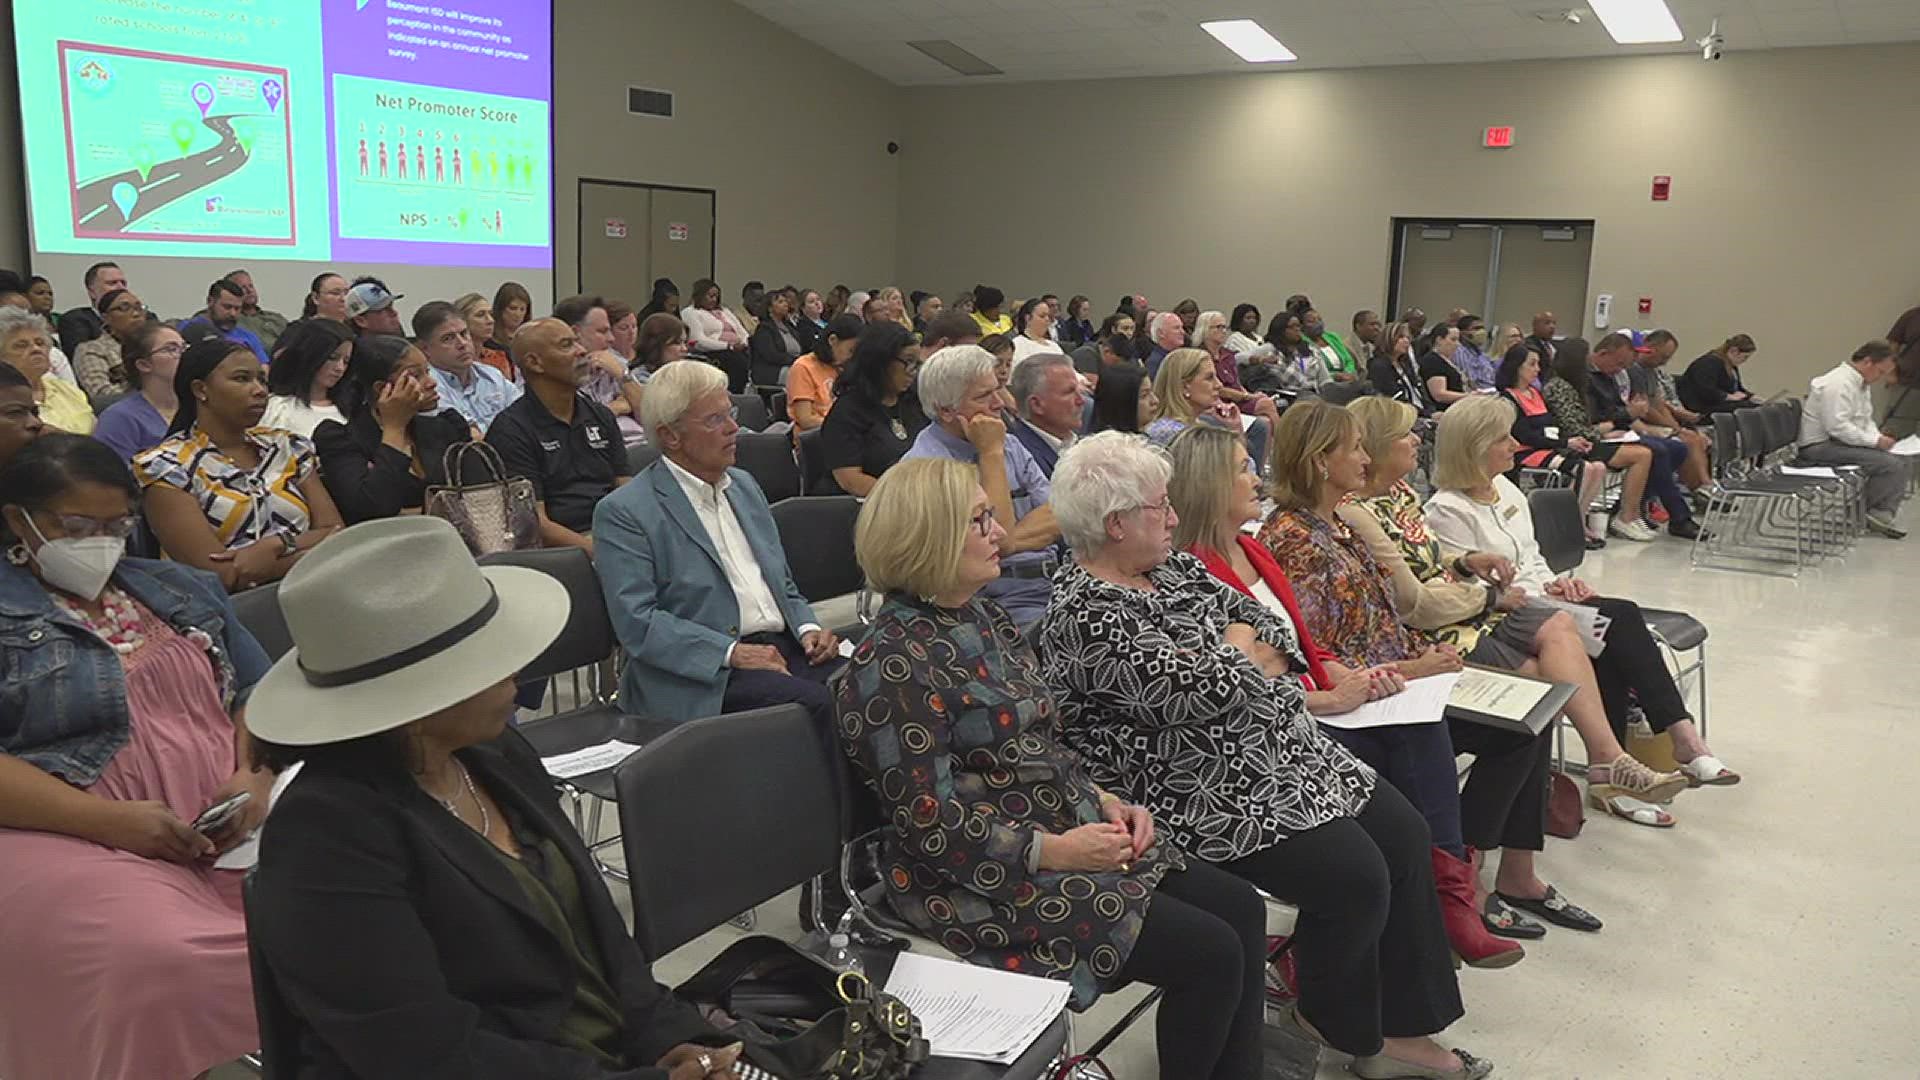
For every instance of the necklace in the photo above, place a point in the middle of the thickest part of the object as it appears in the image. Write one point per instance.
(119, 623)
(486, 820)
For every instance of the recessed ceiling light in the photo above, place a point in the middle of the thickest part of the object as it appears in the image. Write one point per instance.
(955, 57)
(1637, 22)
(1250, 41)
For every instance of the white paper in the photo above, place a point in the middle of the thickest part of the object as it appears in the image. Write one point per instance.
(1509, 697)
(1422, 702)
(1588, 620)
(976, 1013)
(1621, 436)
(244, 854)
(1818, 472)
(1247, 419)
(1907, 447)
(590, 759)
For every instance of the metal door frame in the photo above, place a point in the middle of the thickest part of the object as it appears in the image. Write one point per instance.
(1398, 236)
(580, 219)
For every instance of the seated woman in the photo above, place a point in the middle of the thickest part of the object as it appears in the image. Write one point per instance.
(1036, 331)
(810, 381)
(1478, 508)
(1293, 353)
(1565, 394)
(123, 688)
(1542, 444)
(1188, 387)
(776, 344)
(1124, 400)
(985, 304)
(1001, 346)
(876, 415)
(97, 364)
(27, 344)
(393, 445)
(307, 370)
(1443, 379)
(222, 493)
(474, 308)
(716, 334)
(1393, 372)
(989, 862)
(623, 330)
(1711, 384)
(1244, 333)
(664, 301)
(1210, 336)
(421, 826)
(1075, 326)
(1184, 695)
(512, 307)
(139, 421)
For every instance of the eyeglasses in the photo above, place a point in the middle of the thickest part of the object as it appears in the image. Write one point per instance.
(1163, 507)
(171, 348)
(128, 308)
(719, 421)
(81, 527)
(983, 521)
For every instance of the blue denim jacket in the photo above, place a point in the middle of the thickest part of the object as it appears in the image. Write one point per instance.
(63, 693)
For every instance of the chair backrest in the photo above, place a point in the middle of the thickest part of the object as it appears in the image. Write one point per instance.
(1557, 527)
(587, 639)
(721, 814)
(814, 477)
(754, 414)
(1345, 393)
(259, 611)
(817, 533)
(1755, 442)
(1726, 440)
(1783, 423)
(279, 1027)
(641, 455)
(768, 457)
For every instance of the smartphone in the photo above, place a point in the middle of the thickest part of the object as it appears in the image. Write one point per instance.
(215, 817)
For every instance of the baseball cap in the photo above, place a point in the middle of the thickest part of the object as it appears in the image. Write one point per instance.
(368, 296)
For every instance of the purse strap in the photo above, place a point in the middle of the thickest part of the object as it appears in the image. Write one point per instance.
(452, 462)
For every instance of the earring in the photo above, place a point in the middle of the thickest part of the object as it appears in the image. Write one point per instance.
(1323, 472)
(18, 555)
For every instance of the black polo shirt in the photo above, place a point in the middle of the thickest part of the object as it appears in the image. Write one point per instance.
(572, 466)
(868, 436)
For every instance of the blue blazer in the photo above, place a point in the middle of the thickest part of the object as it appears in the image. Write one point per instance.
(671, 604)
(1036, 444)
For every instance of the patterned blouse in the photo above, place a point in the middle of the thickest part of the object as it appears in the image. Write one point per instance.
(1169, 715)
(1344, 592)
(1568, 404)
(1401, 518)
(945, 714)
(243, 505)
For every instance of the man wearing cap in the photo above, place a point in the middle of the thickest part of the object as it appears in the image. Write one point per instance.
(370, 308)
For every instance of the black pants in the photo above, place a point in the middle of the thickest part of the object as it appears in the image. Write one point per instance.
(1504, 801)
(1373, 960)
(1204, 942)
(804, 684)
(1631, 668)
(734, 362)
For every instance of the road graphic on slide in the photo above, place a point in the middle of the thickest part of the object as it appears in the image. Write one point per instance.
(177, 148)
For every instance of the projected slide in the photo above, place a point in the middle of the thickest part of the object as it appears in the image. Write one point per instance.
(352, 130)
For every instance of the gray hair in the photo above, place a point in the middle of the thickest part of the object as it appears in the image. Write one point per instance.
(946, 377)
(1030, 375)
(673, 390)
(1202, 324)
(15, 319)
(1112, 472)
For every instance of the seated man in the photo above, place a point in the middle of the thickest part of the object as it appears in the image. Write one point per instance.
(224, 303)
(1046, 390)
(961, 395)
(476, 391)
(1612, 356)
(1169, 333)
(1654, 397)
(1837, 428)
(553, 435)
(696, 581)
(370, 308)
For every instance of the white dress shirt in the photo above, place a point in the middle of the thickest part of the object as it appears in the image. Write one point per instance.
(1839, 409)
(759, 611)
(1059, 445)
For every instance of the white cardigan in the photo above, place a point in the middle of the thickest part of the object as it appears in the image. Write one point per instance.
(704, 328)
(1505, 528)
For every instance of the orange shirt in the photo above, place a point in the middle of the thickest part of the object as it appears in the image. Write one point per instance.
(811, 380)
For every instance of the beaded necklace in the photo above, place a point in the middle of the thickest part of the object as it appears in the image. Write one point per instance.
(119, 623)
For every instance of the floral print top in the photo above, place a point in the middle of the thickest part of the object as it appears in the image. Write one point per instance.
(1343, 590)
(1568, 404)
(1405, 523)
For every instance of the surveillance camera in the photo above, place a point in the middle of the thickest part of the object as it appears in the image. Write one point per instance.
(1713, 47)
(1573, 17)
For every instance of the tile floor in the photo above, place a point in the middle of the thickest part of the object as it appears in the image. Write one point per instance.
(1761, 937)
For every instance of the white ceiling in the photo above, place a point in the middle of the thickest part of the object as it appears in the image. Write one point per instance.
(1088, 39)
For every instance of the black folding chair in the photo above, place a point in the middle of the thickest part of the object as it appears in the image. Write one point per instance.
(817, 533)
(639, 456)
(815, 479)
(754, 413)
(768, 457)
(279, 1054)
(259, 611)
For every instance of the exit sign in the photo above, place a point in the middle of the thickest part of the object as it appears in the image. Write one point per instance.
(1498, 138)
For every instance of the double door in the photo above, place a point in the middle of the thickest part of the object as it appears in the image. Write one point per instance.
(1503, 271)
(630, 234)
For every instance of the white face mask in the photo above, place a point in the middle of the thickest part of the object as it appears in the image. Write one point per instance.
(81, 567)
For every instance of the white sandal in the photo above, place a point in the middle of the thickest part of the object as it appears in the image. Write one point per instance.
(1631, 809)
(1709, 770)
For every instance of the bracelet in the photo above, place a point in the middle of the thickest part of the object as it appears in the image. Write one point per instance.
(1461, 569)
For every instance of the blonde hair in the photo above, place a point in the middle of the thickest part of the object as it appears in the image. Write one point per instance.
(1180, 367)
(1383, 421)
(910, 533)
(467, 303)
(1205, 321)
(1467, 429)
(1203, 475)
(1308, 431)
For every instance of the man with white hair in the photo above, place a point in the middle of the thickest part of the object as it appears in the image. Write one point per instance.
(697, 584)
(961, 395)
(1046, 390)
(1169, 333)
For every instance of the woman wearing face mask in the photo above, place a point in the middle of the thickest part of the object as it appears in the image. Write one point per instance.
(1329, 348)
(380, 461)
(123, 685)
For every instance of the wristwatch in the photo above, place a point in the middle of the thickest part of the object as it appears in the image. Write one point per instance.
(288, 545)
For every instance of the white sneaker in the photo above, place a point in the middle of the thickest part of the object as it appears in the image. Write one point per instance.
(1636, 531)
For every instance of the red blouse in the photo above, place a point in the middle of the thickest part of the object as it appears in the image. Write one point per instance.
(1263, 562)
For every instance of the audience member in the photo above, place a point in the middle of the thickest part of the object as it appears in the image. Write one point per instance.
(940, 662)
(304, 381)
(478, 314)
(27, 344)
(1189, 312)
(861, 304)
(1210, 337)
(810, 381)
(1000, 347)
(503, 955)
(477, 392)
(1545, 326)
(1476, 508)
(1566, 401)
(623, 330)
(1295, 363)
(1243, 339)
(926, 306)
(753, 306)
(987, 302)
(1416, 320)
(19, 414)
(876, 414)
(1075, 325)
(1050, 408)
(1543, 445)
(664, 301)
(123, 684)
(379, 462)
(1837, 428)
(661, 341)
(949, 328)
(1137, 634)
(1123, 399)
(1393, 372)
(83, 324)
(610, 382)
(39, 293)
(512, 307)
(813, 312)
(1329, 348)
(558, 437)
(1035, 336)
(370, 308)
(776, 343)
(1711, 384)
(1509, 336)
(225, 302)
(717, 335)
(326, 298)
(262, 323)
(1438, 372)
(1653, 379)
(222, 493)
(1169, 334)
(1651, 396)
(1366, 337)
(1613, 355)
(895, 309)
(962, 397)
(1189, 392)
(836, 302)
(1472, 360)
(1904, 336)
(97, 364)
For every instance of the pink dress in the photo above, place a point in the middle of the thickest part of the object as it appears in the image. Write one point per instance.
(115, 966)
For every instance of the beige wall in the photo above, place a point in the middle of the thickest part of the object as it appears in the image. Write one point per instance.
(13, 198)
(792, 138)
(1791, 218)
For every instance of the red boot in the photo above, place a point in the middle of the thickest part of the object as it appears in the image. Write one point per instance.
(1453, 880)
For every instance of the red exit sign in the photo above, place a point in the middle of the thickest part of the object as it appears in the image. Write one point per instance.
(1498, 138)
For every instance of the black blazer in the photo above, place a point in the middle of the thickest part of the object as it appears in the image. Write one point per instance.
(769, 352)
(369, 479)
(409, 951)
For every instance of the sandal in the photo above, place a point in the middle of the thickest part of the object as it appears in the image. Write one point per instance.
(1502, 920)
(1631, 809)
(1627, 775)
(1555, 909)
(1707, 770)
(1382, 1067)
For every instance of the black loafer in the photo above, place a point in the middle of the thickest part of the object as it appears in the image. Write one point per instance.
(1502, 921)
(1555, 909)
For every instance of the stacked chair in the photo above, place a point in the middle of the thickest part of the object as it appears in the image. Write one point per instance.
(1763, 519)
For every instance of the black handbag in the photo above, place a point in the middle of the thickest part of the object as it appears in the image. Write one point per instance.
(802, 1020)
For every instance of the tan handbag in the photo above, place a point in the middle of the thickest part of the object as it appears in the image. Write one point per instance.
(491, 515)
